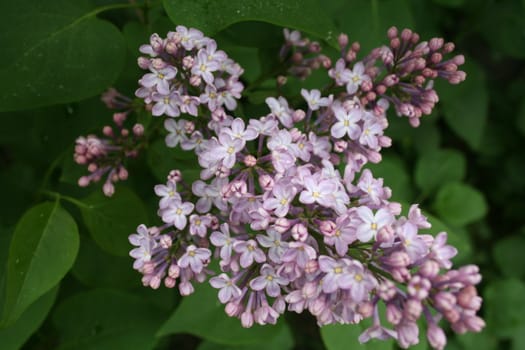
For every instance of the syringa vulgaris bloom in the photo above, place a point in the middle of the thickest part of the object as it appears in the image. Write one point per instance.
(285, 203)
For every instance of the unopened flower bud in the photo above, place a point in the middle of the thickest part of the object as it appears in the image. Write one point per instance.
(299, 232)
(250, 161)
(138, 130)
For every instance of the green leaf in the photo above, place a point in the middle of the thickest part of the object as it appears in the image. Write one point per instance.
(53, 53)
(14, 336)
(508, 255)
(465, 106)
(504, 307)
(96, 268)
(439, 167)
(450, 3)
(344, 337)
(282, 341)
(111, 220)
(42, 250)
(503, 27)
(201, 314)
(106, 319)
(367, 21)
(459, 204)
(212, 16)
(393, 171)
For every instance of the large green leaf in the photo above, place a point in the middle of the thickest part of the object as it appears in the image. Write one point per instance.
(111, 220)
(465, 106)
(508, 255)
(53, 53)
(201, 314)
(460, 204)
(107, 319)
(344, 336)
(42, 250)
(439, 167)
(211, 16)
(14, 336)
(96, 268)
(504, 307)
(367, 21)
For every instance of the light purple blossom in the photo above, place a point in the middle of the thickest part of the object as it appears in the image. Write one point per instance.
(372, 223)
(268, 280)
(347, 123)
(228, 290)
(357, 77)
(176, 132)
(176, 213)
(159, 78)
(195, 258)
(250, 252)
(314, 99)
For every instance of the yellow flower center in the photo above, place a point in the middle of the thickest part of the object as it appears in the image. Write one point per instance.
(179, 211)
(373, 226)
(358, 277)
(338, 270)
(284, 201)
(316, 194)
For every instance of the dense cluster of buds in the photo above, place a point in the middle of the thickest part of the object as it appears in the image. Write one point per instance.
(284, 203)
(106, 156)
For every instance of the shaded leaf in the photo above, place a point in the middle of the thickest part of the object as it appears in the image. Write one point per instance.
(111, 220)
(436, 168)
(460, 204)
(106, 319)
(504, 307)
(344, 336)
(350, 17)
(14, 336)
(59, 57)
(508, 255)
(212, 323)
(465, 106)
(96, 268)
(212, 16)
(42, 250)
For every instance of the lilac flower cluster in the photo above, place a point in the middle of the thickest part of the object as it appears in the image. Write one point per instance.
(105, 156)
(284, 203)
(187, 71)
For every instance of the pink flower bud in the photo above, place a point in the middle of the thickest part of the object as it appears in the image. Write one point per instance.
(169, 282)
(366, 309)
(299, 232)
(158, 63)
(143, 62)
(266, 182)
(282, 225)
(436, 337)
(187, 62)
(138, 130)
(174, 271)
(108, 189)
(311, 266)
(232, 309)
(392, 32)
(83, 181)
(393, 314)
(107, 131)
(122, 173)
(195, 80)
(342, 40)
(298, 115)
(250, 161)
(171, 47)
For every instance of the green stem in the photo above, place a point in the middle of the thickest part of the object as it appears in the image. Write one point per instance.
(71, 200)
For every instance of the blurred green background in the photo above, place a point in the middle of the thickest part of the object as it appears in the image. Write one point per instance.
(465, 164)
